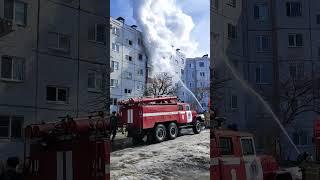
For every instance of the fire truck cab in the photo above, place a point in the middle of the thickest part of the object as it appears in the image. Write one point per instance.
(157, 118)
(233, 157)
(70, 149)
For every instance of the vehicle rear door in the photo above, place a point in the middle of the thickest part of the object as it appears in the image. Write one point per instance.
(252, 163)
(229, 160)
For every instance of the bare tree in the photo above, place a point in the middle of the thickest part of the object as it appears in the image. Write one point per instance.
(161, 84)
(298, 96)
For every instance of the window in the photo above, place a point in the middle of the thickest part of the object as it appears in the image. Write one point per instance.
(139, 42)
(187, 108)
(182, 71)
(295, 40)
(261, 12)
(263, 43)
(97, 33)
(180, 108)
(258, 74)
(190, 85)
(202, 74)
(57, 94)
(247, 147)
(294, 9)
(127, 91)
(116, 31)
(11, 126)
(128, 75)
(201, 64)
(216, 4)
(113, 101)
(115, 47)
(182, 61)
(114, 82)
(58, 41)
(94, 80)
(204, 105)
(16, 10)
(140, 72)
(140, 57)
(129, 58)
(190, 65)
(296, 71)
(318, 18)
(130, 42)
(12, 68)
(225, 144)
(232, 32)
(114, 65)
(234, 102)
(232, 3)
(300, 138)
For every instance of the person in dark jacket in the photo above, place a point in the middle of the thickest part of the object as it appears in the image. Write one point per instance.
(113, 124)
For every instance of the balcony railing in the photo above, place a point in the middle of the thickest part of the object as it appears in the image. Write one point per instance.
(5, 27)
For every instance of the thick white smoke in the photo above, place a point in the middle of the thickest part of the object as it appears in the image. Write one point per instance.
(165, 28)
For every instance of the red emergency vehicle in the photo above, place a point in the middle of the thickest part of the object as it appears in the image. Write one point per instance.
(70, 149)
(158, 118)
(233, 156)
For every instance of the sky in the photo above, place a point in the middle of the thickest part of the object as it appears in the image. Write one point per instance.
(199, 10)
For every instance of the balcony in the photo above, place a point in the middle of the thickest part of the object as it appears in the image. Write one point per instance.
(6, 27)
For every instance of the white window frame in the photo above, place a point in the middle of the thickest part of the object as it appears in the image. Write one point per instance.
(57, 90)
(297, 73)
(114, 84)
(261, 6)
(260, 48)
(234, 34)
(14, 13)
(13, 59)
(140, 72)
(231, 103)
(128, 75)
(113, 65)
(295, 40)
(254, 148)
(58, 48)
(202, 74)
(290, 3)
(97, 78)
(127, 91)
(96, 34)
(9, 137)
(115, 30)
(260, 75)
(232, 3)
(115, 47)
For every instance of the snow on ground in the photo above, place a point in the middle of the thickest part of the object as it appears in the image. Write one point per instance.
(186, 157)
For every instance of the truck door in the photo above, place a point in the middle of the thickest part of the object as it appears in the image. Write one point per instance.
(229, 161)
(189, 114)
(252, 163)
(182, 114)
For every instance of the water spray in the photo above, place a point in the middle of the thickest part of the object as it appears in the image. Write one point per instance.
(265, 104)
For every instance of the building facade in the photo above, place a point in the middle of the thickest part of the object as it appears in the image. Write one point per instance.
(53, 61)
(128, 62)
(197, 79)
(269, 44)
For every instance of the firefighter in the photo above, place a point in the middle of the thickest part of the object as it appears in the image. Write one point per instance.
(113, 124)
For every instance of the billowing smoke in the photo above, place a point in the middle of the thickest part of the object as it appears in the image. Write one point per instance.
(165, 27)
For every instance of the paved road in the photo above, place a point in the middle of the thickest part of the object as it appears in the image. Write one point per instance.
(186, 157)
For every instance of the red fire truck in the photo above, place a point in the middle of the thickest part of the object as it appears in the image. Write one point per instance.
(69, 149)
(157, 118)
(233, 156)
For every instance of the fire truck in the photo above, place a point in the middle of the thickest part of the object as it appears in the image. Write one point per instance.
(157, 118)
(233, 157)
(72, 148)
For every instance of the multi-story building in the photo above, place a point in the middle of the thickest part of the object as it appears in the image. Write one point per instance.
(269, 43)
(52, 62)
(197, 79)
(128, 62)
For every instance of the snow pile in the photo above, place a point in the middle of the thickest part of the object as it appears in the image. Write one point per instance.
(186, 157)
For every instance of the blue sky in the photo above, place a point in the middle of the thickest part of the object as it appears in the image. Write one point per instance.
(199, 10)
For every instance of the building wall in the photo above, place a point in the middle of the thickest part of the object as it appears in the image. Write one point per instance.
(137, 82)
(45, 64)
(197, 79)
(251, 114)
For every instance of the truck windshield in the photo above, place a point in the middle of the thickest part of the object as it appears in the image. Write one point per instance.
(180, 108)
(187, 108)
(247, 147)
(225, 144)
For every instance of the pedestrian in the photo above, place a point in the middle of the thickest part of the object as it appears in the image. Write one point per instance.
(113, 125)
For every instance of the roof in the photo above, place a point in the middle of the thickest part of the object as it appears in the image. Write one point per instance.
(222, 132)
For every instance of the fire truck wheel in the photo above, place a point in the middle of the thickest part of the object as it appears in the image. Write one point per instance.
(160, 133)
(197, 127)
(172, 130)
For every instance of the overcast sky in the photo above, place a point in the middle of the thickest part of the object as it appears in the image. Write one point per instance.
(199, 10)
